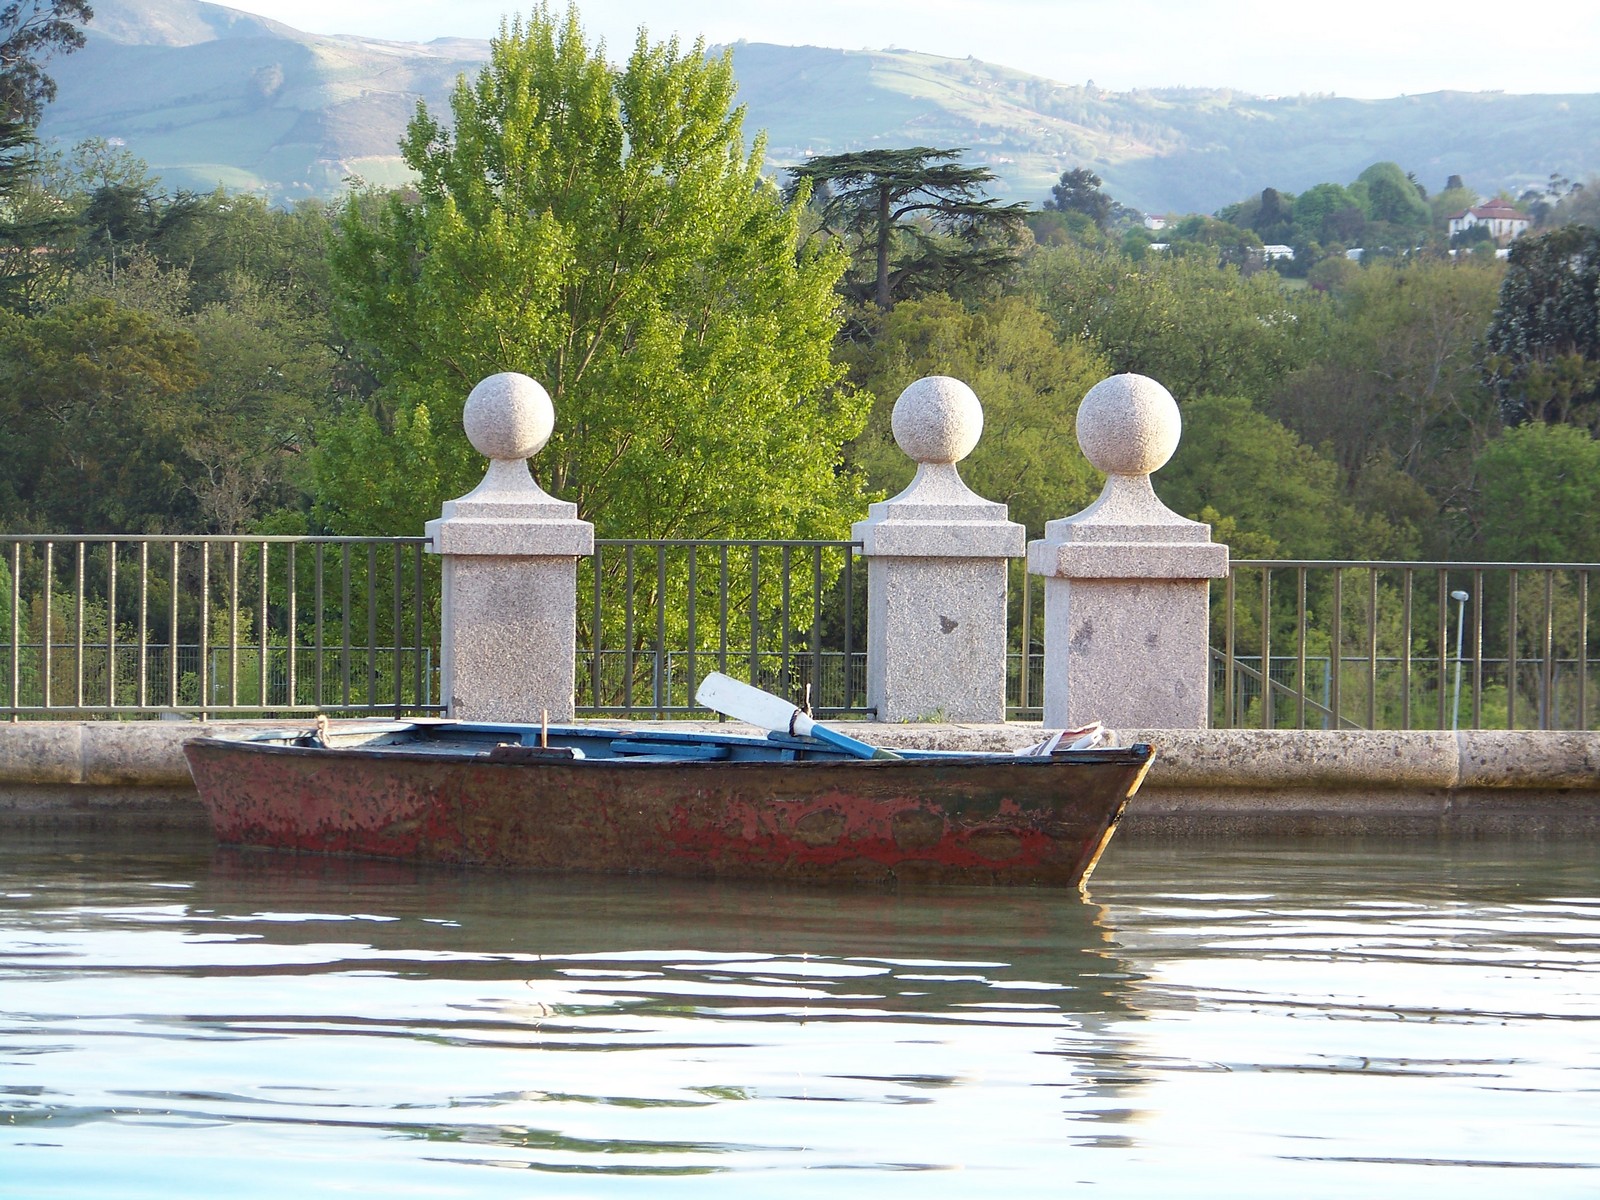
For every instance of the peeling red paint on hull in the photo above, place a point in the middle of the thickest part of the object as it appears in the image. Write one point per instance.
(981, 820)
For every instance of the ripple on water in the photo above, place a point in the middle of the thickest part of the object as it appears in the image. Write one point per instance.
(1228, 1021)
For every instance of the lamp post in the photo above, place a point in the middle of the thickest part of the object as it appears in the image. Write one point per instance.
(1461, 599)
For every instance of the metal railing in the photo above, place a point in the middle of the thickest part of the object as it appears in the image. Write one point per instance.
(655, 616)
(1406, 645)
(137, 626)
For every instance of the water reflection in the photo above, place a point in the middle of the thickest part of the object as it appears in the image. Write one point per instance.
(1318, 1021)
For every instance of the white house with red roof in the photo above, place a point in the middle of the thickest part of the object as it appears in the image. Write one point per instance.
(1504, 222)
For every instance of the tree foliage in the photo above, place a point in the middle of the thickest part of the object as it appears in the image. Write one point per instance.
(90, 420)
(1079, 191)
(916, 219)
(1391, 391)
(1543, 341)
(31, 31)
(605, 232)
(1199, 329)
(1539, 485)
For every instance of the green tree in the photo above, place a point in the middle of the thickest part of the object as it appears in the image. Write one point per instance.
(1328, 213)
(1535, 480)
(605, 232)
(1079, 191)
(1543, 342)
(1280, 497)
(91, 420)
(1197, 328)
(1393, 389)
(31, 31)
(917, 217)
(1394, 198)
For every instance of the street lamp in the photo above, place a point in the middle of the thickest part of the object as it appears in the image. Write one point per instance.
(1461, 599)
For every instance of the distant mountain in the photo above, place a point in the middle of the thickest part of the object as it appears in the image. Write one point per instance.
(206, 94)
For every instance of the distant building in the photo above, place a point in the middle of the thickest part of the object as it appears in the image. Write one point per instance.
(1155, 222)
(1503, 221)
(1272, 253)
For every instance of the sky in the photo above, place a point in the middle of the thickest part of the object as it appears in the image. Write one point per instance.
(1357, 48)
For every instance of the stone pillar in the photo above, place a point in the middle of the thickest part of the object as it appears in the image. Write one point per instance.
(509, 596)
(1127, 580)
(936, 571)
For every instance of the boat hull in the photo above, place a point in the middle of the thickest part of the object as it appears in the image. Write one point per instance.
(967, 819)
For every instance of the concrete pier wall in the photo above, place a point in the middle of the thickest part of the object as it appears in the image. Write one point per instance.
(1205, 783)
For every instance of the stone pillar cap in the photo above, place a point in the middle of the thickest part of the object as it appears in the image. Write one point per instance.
(509, 417)
(937, 421)
(1128, 426)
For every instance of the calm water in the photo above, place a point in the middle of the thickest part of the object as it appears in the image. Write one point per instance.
(1285, 1021)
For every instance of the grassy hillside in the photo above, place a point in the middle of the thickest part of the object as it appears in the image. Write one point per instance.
(206, 95)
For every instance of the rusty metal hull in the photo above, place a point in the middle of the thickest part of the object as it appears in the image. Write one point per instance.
(975, 819)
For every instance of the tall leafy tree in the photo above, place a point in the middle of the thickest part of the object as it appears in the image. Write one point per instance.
(92, 420)
(919, 219)
(1543, 342)
(606, 232)
(31, 32)
(1539, 483)
(1079, 190)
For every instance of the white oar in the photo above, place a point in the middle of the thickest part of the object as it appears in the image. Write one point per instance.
(745, 703)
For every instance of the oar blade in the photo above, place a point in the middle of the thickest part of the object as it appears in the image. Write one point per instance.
(729, 696)
(732, 698)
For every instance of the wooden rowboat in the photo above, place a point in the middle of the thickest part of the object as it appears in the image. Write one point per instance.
(589, 799)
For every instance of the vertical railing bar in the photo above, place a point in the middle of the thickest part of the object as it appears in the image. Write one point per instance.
(785, 627)
(172, 633)
(1445, 689)
(816, 625)
(1478, 607)
(595, 631)
(755, 613)
(1268, 720)
(849, 626)
(204, 698)
(1549, 717)
(346, 553)
(1230, 718)
(1583, 650)
(49, 622)
(15, 693)
(659, 660)
(398, 617)
(1335, 639)
(263, 663)
(627, 627)
(370, 699)
(1372, 647)
(722, 606)
(292, 623)
(233, 623)
(318, 618)
(1300, 646)
(111, 624)
(417, 584)
(1511, 650)
(694, 634)
(1407, 586)
(1026, 640)
(142, 684)
(82, 585)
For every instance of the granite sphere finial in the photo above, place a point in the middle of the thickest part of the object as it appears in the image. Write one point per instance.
(509, 417)
(937, 420)
(1128, 425)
